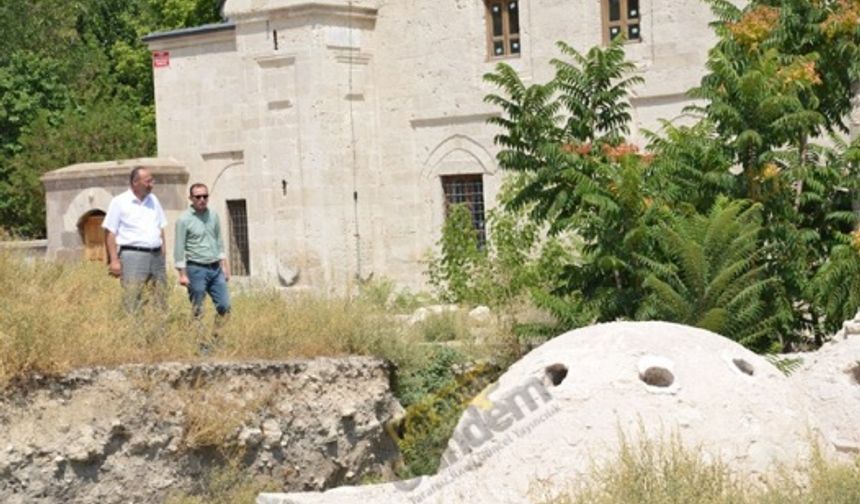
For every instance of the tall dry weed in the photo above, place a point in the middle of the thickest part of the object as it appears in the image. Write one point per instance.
(666, 472)
(59, 316)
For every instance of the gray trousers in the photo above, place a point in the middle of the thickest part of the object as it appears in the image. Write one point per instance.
(143, 277)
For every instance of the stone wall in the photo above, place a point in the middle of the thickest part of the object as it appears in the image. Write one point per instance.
(29, 249)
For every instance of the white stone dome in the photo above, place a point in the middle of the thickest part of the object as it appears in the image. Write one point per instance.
(561, 408)
(830, 378)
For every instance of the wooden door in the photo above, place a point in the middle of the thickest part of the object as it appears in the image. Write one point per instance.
(94, 239)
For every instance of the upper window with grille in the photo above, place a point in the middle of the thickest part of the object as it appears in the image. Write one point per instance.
(503, 28)
(621, 18)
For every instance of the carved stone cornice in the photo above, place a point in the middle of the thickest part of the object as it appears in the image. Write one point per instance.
(189, 37)
(167, 171)
(355, 11)
(351, 56)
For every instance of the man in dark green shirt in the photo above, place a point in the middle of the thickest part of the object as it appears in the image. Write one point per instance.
(199, 255)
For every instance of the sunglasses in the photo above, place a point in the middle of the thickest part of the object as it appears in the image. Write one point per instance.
(200, 196)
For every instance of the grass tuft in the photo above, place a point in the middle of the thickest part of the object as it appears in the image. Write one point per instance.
(226, 485)
(665, 472)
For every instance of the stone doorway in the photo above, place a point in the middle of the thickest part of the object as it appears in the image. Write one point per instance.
(93, 236)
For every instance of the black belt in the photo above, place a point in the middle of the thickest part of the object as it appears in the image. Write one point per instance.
(139, 249)
(205, 265)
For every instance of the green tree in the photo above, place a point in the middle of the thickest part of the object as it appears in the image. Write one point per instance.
(693, 165)
(76, 77)
(44, 27)
(566, 138)
(778, 77)
(28, 84)
(105, 131)
(835, 286)
(713, 274)
(781, 74)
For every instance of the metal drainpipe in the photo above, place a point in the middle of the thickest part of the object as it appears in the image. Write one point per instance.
(357, 234)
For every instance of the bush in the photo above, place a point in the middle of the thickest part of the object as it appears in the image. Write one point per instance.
(517, 257)
(436, 372)
(384, 294)
(454, 271)
(446, 326)
(436, 399)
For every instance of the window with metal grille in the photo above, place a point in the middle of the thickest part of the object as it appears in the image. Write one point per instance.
(503, 28)
(468, 190)
(621, 18)
(240, 263)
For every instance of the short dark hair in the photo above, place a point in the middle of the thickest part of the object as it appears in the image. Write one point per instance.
(195, 185)
(135, 172)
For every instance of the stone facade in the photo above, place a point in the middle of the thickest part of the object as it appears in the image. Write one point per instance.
(78, 192)
(335, 120)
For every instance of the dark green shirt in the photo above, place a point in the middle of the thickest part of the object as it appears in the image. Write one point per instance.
(198, 238)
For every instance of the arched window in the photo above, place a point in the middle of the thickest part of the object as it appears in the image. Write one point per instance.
(621, 18)
(503, 28)
(467, 190)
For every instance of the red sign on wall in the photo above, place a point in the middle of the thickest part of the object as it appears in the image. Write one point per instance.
(160, 59)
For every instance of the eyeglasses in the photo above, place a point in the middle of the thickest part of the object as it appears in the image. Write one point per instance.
(200, 196)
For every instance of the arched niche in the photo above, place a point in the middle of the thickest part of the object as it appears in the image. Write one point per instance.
(92, 235)
(94, 198)
(457, 156)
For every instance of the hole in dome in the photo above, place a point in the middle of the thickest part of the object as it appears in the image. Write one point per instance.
(744, 366)
(556, 374)
(854, 372)
(657, 376)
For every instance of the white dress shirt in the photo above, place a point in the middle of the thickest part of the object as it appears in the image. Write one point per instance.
(135, 223)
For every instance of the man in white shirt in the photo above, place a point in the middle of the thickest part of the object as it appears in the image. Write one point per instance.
(134, 227)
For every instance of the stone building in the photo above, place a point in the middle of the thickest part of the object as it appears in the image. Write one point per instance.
(333, 132)
(78, 196)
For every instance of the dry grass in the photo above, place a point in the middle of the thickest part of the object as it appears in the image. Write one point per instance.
(664, 472)
(56, 317)
(211, 421)
(212, 417)
(227, 485)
